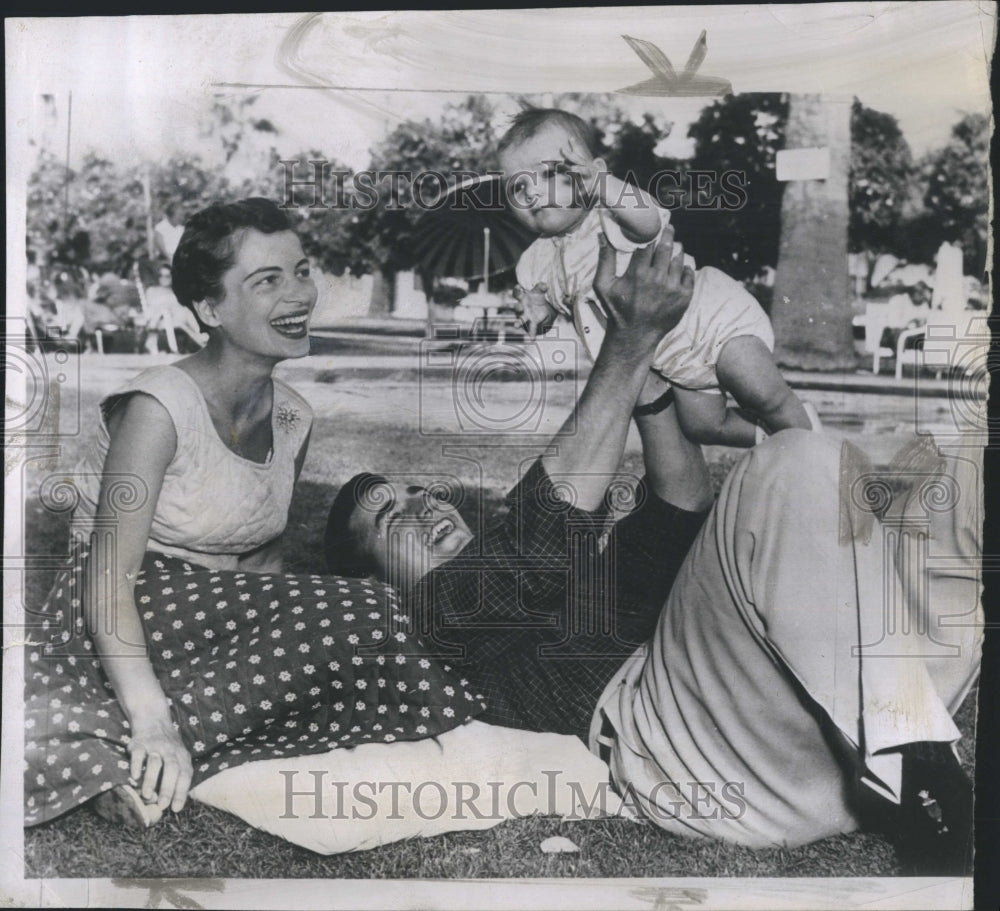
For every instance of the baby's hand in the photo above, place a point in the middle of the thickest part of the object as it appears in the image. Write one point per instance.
(578, 162)
(536, 312)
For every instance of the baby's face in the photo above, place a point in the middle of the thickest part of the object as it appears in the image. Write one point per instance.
(541, 190)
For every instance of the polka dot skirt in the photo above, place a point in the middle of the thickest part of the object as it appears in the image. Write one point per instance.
(255, 666)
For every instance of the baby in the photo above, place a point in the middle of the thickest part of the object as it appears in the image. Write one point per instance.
(562, 192)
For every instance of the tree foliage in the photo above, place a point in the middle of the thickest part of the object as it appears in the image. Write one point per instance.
(879, 181)
(739, 135)
(956, 191)
(631, 153)
(95, 217)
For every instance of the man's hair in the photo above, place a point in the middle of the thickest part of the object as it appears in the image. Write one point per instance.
(531, 121)
(209, 244)
(343, 551)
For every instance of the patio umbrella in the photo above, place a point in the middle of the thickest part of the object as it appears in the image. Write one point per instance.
(469, 232)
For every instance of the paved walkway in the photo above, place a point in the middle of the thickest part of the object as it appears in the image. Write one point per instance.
(429, 363)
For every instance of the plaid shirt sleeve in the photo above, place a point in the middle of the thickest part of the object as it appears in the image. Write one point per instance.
(648, 548)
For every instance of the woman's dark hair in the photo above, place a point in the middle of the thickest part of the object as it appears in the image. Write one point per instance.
(207, 249)
(344, 553)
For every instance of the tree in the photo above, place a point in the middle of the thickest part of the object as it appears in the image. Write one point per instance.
(93, 218)
(879, 181)
(632, 154)
(957, 191)
(245, 141)
(50, 221)
(328, 230)
(114, 212)
(186, 184)
(738, 135)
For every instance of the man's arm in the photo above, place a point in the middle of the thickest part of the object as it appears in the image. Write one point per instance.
(525, 555)
(642, 306)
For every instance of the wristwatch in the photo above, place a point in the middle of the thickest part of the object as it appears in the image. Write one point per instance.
(655, 406)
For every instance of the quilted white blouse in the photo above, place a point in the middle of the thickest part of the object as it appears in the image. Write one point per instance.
(214, 505)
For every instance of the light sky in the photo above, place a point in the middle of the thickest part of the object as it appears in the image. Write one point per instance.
(141, 84)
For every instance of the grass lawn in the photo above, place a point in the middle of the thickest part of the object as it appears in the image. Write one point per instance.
(356, 422)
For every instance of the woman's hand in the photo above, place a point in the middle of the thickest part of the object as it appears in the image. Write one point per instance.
(160, 764)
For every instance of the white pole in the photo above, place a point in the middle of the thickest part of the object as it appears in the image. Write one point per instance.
(147, 196)
(486, 260)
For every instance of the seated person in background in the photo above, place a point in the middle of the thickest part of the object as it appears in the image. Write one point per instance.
(113, 306)
(168, 231)
(164, 311)
(908, 309)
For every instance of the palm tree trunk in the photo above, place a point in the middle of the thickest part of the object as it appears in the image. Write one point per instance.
(811, 311)
(383, 293)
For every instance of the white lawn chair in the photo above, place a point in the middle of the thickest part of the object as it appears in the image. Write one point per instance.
(913, 357)
(951, 339)
(875, 320)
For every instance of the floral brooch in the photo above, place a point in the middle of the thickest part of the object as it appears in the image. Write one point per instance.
(286, 417)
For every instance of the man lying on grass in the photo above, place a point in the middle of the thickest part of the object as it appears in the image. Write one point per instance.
(764, 672)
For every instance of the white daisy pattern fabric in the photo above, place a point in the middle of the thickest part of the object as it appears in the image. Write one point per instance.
(255, 666)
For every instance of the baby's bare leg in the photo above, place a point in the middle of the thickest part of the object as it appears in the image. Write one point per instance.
(705, 419)
(747, 370)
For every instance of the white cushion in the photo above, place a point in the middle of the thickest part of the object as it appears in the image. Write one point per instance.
(472, 777)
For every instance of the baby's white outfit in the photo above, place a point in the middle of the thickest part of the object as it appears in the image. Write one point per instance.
(721, 308)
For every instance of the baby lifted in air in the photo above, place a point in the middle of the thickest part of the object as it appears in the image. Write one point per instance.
(562, 192)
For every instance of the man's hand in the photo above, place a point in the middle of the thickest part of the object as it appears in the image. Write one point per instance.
(653, 294)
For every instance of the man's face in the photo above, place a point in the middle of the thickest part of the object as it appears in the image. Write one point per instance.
(541, 190)
(407, 531)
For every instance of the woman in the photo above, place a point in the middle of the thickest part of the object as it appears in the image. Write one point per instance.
(173, 644)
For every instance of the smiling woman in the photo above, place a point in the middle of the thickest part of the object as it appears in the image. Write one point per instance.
(174, 644)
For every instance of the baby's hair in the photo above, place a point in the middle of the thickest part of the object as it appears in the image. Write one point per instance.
(209, 244)
(531, 121)
(341, 548)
